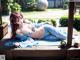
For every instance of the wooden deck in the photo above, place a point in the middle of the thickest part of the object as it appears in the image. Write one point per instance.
(41, 51)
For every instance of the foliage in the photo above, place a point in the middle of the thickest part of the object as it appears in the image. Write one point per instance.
(53, 21)
(15, 7)
(33, 20)
(64, 21)
(76, 24)
(44, 20)
(66, 4)
(6, 6)
(29, 5)
(30, 1)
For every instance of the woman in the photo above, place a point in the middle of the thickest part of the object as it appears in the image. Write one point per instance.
(41, 31)
(35, 31)
(16, 21)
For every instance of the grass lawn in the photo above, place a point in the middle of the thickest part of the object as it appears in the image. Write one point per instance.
(49, 13)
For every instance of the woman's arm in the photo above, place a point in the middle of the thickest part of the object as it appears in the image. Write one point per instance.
(26, 30)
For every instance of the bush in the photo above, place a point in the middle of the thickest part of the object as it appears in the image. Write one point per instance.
(29, 5)
(33, 20)
(15, 7)
(48, 21)
(66, 4)
(53, 22)
(76, 24)
(43, 20)
(64, 21)
(5, 6)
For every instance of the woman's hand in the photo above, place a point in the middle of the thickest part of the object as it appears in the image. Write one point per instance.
(18, 31)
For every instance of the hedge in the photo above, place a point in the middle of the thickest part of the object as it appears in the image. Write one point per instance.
(6, 6)
(28, 5)
(43, 20)
(64, 22)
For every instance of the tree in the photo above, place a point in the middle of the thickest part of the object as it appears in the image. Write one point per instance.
(0, 14)
(6, 6)
(3, 26)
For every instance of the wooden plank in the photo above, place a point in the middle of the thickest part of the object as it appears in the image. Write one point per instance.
(70, 23)
(39, 53)
(73, 52)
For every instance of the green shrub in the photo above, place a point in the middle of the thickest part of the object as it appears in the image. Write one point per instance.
(53, 22)
(48, 21)
(43, 20)
(5, 5)
(66, 4)
(64, 21)
(30, 4)
(76, 24)
(15, 7)
(33, 20)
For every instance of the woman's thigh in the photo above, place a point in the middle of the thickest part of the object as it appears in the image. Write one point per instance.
(51, 38)
(55, 32)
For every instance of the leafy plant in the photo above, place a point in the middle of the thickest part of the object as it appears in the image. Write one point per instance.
(15, 7)
(66, 4)
(53, 22)
(64, 21)
(6, 6)
(48, 21)
(29, 4)
(76, 24)
(43, 20)
(33, 20)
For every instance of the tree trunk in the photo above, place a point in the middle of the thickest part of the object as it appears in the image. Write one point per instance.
(70, 23)
(0, 14)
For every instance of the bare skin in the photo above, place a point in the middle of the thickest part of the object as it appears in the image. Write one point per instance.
(34, 34)
(27, 28)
